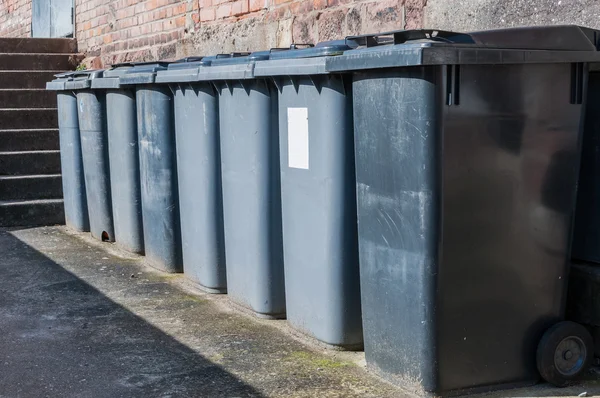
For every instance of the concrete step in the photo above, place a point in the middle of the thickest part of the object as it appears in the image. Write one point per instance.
(41, 45)
(29, 140)
(29, 162)
(39, 61)
(30, 213)
(42, 186)
(27, 98)
(25, 78)
(40, 118)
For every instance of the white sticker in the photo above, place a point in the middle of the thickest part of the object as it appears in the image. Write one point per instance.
(298, 138)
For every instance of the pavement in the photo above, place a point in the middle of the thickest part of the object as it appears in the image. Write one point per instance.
(81, 318)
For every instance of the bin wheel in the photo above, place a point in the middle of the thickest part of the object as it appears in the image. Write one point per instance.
(564, 352)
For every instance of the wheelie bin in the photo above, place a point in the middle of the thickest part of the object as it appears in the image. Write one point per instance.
(251, 183)
(71, 162)
(467, 155)
(158, 168)
(91, 110)
(123, 153)
(196, 113)
(320, 242)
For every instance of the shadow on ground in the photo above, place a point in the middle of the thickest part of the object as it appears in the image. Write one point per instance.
(82, 318)
(60, 336)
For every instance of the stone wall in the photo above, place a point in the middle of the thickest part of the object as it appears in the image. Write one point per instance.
(468, 15)
(129, 30)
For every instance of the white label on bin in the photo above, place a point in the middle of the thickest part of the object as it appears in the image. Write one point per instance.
(298, 138)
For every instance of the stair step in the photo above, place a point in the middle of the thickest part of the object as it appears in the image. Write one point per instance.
(39, 61)
(38, 45)
(29, 162)
(44, 186)
(26, 78)
(27, 98)
(31, 213)
(40, 118)
(29, 140)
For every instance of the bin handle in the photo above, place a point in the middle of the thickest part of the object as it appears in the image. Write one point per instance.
(190, 59)
(295, 46)
(403, 36)
(232, 55)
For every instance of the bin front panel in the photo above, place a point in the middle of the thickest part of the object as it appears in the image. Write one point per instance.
(397, 125)
(318, 189)
(466, 187)
(94, 145)
(71, 161)
(200, 195)
(510, 164)
(586, 235)
(125, 169)
(158, 176)
(252, 195)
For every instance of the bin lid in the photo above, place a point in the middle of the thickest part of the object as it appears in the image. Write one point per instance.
(240, 58)
(302, 59)
(80, 80)
(546, 44)
(323, 49)
(142, 72)
(58, 84)
(110, 78)
(183, 70)
(234, 66)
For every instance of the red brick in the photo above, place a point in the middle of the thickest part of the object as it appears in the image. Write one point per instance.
(239, 7)
(223, 11)
(180, 22)
(414, 13)
(180, 9)
(385, 15)
(207, 14)
(319, 4)
(256, 5)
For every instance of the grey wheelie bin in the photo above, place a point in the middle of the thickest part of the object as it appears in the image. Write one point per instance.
(123, 158)
(251, 184)
(91, 107)
(467, 155)
(71, 162)
(318, 194)
(199, 172)
(158, 168)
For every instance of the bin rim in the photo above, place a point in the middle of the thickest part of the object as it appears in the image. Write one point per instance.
(554, 38)
(322, 49)
(551, 44)
(143, 72)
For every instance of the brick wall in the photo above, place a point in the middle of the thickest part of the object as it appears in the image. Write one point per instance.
(111, 31)
(15, 18)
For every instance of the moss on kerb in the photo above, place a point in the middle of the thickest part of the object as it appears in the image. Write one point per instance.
(317, 360)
